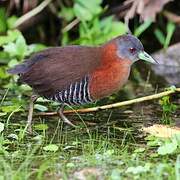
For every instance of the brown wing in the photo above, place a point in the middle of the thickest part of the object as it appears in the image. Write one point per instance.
(55, 69)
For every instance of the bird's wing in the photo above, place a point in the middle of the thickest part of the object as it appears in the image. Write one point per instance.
(56, 68)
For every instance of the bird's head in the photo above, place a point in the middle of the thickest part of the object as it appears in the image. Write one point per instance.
(130, 47)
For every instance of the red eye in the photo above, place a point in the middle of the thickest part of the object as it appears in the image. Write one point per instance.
(132, 50)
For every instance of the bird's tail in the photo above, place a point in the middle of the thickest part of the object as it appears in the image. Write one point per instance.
(19, 69)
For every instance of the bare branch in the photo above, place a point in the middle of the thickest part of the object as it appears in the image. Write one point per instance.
(115, 105)
(31, 13)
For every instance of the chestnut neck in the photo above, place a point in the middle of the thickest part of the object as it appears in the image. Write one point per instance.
(109, 56)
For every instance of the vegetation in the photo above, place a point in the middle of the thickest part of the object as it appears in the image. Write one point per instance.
(107, 144)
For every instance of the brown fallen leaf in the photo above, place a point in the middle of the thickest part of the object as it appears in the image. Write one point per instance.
(147, 9)
(159, 130)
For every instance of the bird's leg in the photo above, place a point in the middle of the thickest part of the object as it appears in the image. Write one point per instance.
(30, 114)
(63, 117)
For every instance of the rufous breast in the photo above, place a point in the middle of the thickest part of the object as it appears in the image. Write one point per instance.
(111, 75)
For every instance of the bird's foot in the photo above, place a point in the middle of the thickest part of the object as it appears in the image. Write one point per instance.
(64, 118)
(30, 114)
(29, 129)
(29, 122)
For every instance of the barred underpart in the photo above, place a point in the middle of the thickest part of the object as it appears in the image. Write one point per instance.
(76, 94)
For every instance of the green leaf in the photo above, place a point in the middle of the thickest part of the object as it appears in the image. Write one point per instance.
(153, 141)
(11, 21)
(3, 57)
(112, 28)
(12, 63)
(10, 48)
(7, 109)
(3, 74)
(142, 28)
(93, 6)
(160, 36)
(21, 47)
(11, 36)
(41, 127)
(170, 30)
(17, 48)
(82, 13)
(86, 10)
(109, 152)
(167, 148)
(139, 150)
(51, 147)
(38, 138)
(25, 87)
(70, 165)
(3, 25)
(138, 169)
(67, 13)
(171, 88)
(176, 137)
(99, 31)
(117, 28)
(177, 167)
(35, 48)
(40, 107)
(65, 38)
(116, 174)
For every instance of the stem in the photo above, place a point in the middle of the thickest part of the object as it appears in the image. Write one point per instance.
(31, 13)
(115, 105)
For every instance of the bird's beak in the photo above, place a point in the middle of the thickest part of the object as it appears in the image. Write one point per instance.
(146, 57)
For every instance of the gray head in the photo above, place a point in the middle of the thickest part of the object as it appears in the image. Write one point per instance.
(130, 47)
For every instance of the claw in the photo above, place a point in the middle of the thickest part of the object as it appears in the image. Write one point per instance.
(30, 114)
(63, 117)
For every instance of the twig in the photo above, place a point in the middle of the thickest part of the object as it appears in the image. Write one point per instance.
(71, 25)
(31, 13)
(172, 17)
(115, 105)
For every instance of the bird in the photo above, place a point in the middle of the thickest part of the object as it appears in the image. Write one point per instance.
(77, 75)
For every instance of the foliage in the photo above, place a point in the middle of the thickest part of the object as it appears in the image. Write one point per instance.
(99, 31)
(2, 20)
(92, 30)
(168, 109)
(51, 147)
(14, 46)
(87, 10)
(139, 30)
(165, 145)
(15, 49)
(164, 40)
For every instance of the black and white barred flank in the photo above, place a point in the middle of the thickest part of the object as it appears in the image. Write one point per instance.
(76, 94)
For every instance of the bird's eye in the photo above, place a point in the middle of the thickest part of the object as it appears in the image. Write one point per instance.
(132, 50)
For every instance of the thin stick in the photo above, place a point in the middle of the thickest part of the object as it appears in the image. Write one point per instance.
(172, 17)
(115, 105)
(31, 13)
(71, 25)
